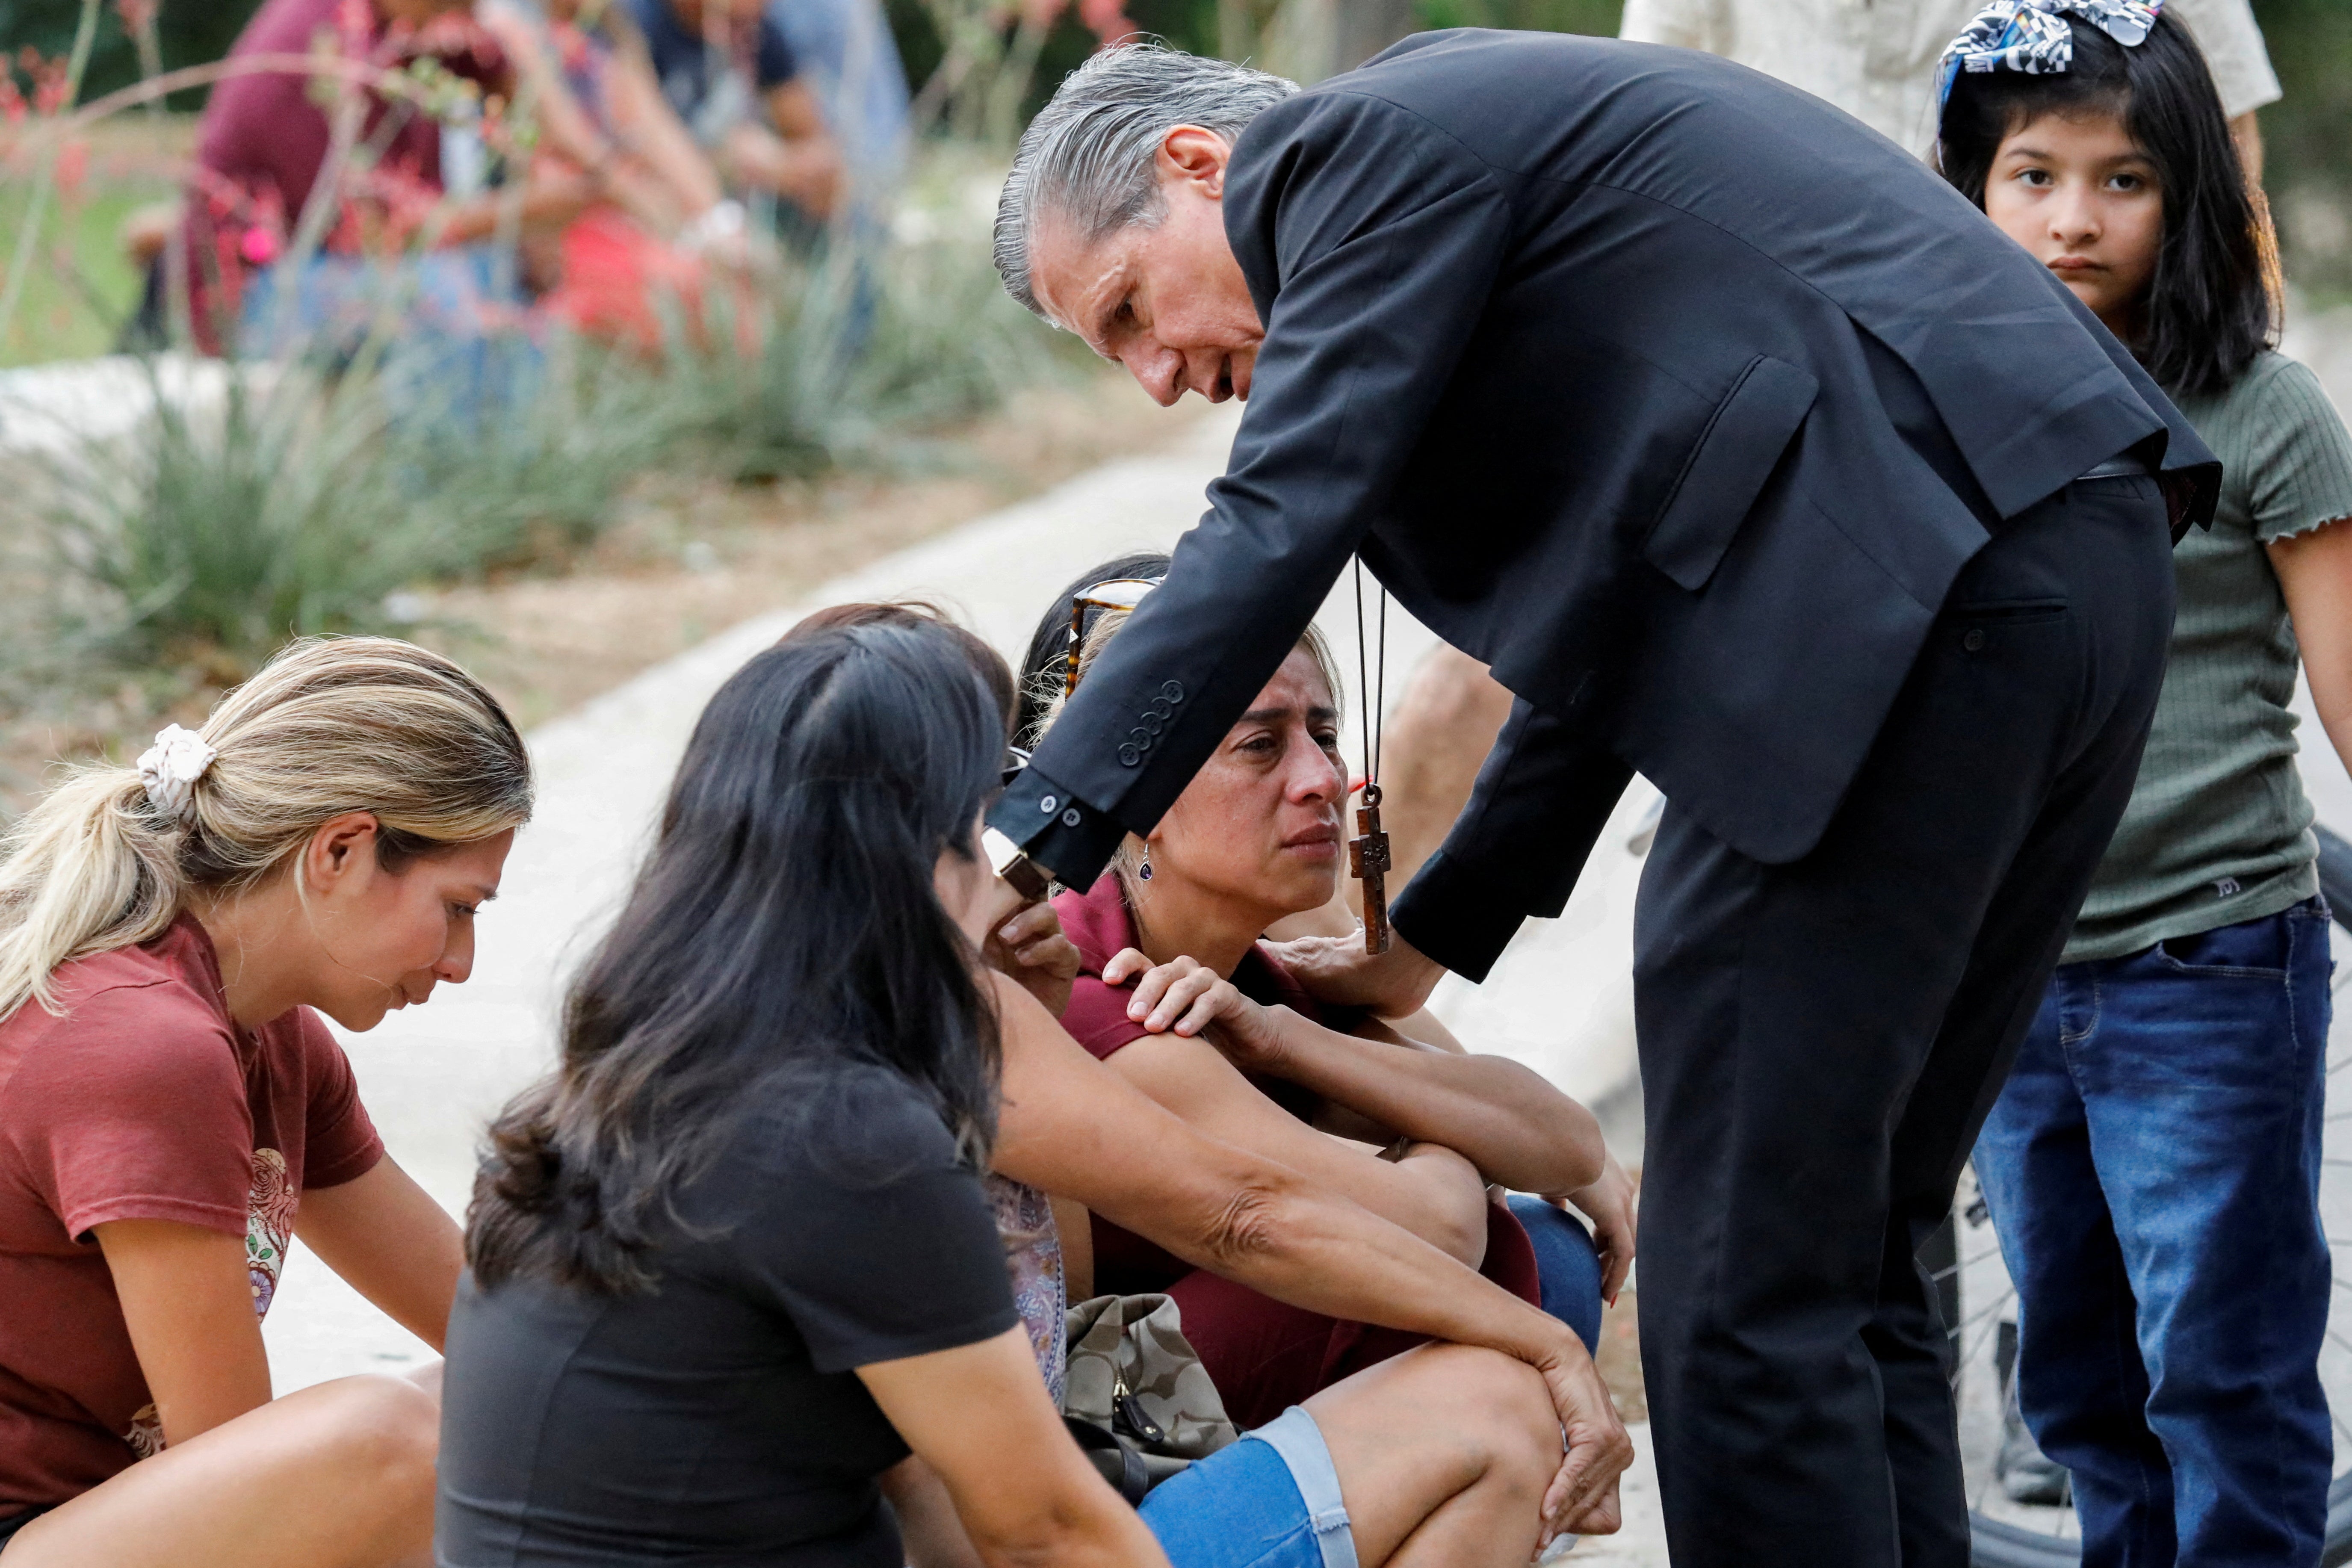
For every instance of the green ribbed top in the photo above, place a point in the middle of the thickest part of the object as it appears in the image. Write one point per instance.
(2218, 830)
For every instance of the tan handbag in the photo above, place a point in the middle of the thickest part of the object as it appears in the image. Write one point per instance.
(1138, 1398)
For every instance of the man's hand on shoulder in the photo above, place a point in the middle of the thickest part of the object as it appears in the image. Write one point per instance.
(1336, 970)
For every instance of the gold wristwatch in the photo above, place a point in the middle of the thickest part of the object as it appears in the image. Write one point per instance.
(1012, 865)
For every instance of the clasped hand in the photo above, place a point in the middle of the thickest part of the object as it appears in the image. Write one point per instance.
(1026, 942)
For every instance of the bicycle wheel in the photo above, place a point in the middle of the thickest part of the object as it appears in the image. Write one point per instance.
(1980, 1303)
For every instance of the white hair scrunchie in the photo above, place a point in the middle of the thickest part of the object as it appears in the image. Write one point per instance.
(170, 769)
(2032, 35)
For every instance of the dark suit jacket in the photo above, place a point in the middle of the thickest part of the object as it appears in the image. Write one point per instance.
(1674, 393)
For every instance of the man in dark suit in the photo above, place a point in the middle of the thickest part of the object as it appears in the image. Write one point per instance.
(1749, 457)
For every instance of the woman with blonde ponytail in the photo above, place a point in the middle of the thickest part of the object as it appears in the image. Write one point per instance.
(173, 1112)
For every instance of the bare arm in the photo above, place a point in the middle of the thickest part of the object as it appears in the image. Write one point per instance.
(978, 1416)
(1432, 1192)
(551, 199)
(796, 159)
(2315, 572)
(929, 1530)
(187, 1299)
(1503, 1117)
(567, 132)
(389, 1242)
(1077, 1130)
(1507, 1121)
(653, 130)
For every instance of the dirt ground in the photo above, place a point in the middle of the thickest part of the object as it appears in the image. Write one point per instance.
(688, 557)
(1620, 1359)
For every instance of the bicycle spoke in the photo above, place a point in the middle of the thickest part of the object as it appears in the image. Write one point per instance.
(1965, 1264)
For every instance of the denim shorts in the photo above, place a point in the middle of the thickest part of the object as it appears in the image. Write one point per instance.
(1271, 1500)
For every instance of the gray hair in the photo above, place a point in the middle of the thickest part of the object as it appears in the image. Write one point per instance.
(1088, 156)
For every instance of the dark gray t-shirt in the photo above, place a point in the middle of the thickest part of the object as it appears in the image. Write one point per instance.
(2218, 830)
(717, 1419)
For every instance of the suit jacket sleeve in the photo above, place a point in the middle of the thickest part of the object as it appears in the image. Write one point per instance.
(1370, 240)
(1545, 793)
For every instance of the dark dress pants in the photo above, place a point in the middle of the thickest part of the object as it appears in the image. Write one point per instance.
(1821, 1040)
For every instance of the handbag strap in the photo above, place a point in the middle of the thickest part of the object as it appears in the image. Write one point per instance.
(1121, 1465)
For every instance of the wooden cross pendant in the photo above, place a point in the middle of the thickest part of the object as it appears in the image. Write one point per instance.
(1368, 862)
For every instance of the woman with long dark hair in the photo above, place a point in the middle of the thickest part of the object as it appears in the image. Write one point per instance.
(2153, 1161)
(734, 1261)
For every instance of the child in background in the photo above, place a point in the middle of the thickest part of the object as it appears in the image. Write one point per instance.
(173, 1114)
(2153, 1162)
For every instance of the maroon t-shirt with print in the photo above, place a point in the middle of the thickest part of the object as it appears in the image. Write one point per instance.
(144, 1101)
(1263, 1355)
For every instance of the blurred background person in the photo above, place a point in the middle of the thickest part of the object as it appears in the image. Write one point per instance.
(264, 144)
(640, 251)
(733, 78)
(851, 62)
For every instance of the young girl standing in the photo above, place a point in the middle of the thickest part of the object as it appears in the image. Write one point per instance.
(174, 1113)
(2153, 1162)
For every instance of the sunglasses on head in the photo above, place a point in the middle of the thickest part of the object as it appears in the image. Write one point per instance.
(1118, 593)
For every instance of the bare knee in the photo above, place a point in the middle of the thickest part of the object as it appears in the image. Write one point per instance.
(388, 1429)
(1495, 1409)
(1505, 1411)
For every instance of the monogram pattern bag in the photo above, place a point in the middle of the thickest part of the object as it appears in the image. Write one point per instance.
(1137, 1396)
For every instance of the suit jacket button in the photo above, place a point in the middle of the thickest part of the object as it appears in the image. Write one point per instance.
(1152, 722)
(1974, 642)
(1128, 756)
(1070, 818)
(1173, 693)
(1140, 737)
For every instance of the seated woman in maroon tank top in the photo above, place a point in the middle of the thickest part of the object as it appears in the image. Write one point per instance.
(1178, 997)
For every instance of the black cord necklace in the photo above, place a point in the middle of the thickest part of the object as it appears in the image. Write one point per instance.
(1368, 852)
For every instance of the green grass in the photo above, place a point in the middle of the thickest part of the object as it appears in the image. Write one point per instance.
(82, 288)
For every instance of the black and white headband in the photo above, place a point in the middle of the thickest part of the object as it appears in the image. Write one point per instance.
(2033, 36)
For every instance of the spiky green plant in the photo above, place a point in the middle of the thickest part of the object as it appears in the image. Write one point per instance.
(301, 501)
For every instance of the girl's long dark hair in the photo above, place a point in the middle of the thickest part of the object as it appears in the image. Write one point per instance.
(2213, 302)
(783, 931)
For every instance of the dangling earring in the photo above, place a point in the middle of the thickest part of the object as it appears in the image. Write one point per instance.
(1145, 873)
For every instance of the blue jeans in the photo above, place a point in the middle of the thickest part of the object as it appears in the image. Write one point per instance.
(450, 325)
(1568, 1266)
(1270, 1500)
(2153, 1168)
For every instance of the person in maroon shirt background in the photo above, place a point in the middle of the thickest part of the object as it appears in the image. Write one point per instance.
(1168, 942)
(264, 141)
(173, 1112)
